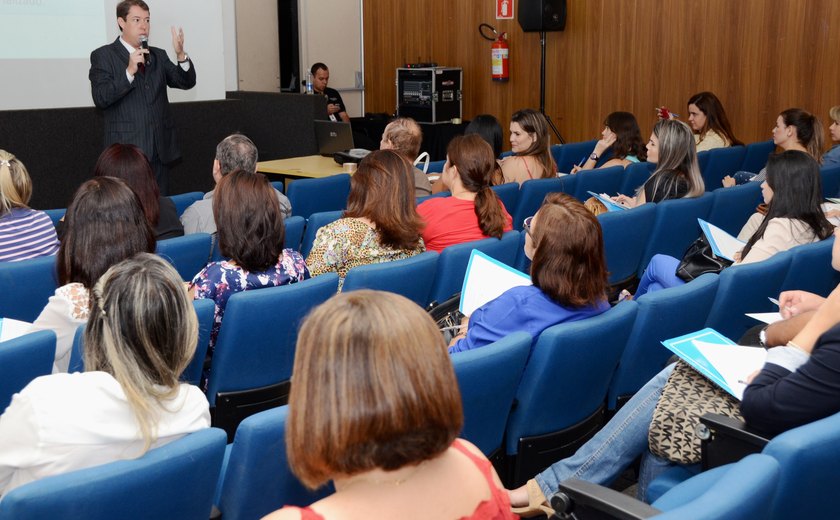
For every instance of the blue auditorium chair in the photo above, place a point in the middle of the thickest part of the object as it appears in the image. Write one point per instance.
(410, 277)
(605, 180)
(738, 491)
(176, 480)
(634, 176)
(26, 286)
(453, 260)
(185, 200)
(315, 222)
(508, 193)
(831, 180)
(675, 227)
(570, 154)
(309, 196)
(662, 315)
(23, 359)
(722, 162)
(810, 268)
(560, 400)
(624, 242)
(732, 207)
(436, 166)
(424, 198)
(488, 378)
(277, 185)
(522, 262)
(189, 254)
(55, 214)
(255, 348)
(746, 288)
(756, 154)
(533, 192)
(256, 478)
(294, 232)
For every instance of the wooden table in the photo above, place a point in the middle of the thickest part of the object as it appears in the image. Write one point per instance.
(309, 167)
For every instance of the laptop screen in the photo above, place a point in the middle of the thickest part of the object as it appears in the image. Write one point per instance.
(333, 137)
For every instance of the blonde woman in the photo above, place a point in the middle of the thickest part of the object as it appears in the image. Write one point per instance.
(24, 232)
(140, 336)
(833, 155)
(375, 408)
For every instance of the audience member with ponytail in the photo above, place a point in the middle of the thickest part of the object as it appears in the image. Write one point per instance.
(473, 211)
(139, 338)
(24, 232)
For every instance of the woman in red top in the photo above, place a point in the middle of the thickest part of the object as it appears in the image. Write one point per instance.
(473, 211)
(375, 408)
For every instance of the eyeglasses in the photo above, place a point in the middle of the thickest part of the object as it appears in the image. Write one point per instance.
(526, 224)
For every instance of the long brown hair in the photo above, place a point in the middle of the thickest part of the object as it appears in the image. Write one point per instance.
(534, 123)
(382, 190)
(248, 219)
(127, 162)
(716, 119)
(473, 159)
(569, 264)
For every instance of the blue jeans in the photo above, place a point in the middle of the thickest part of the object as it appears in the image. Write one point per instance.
(615, 446)
(659, 274)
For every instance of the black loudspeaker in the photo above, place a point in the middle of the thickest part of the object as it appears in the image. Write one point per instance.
(542, 15)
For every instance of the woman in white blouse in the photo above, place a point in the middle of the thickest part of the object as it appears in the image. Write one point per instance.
(140, 336)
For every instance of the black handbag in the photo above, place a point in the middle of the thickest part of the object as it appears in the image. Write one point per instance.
(447, 316)
(700, 259)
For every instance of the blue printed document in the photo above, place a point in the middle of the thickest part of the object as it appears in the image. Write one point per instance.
(718, 358)
(607, 201)
(486, 280)
(723, 244)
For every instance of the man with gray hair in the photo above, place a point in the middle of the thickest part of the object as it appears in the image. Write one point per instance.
(235, 152)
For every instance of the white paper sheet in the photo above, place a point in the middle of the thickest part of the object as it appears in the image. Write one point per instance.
(486, 280)
(11, 329)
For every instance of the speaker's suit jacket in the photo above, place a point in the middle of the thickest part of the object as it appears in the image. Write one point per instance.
(138, 112)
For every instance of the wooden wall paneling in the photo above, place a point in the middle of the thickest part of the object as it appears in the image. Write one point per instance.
(758, 56)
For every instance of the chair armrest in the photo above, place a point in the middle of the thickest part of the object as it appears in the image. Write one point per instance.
(725, 440)
(586, 500)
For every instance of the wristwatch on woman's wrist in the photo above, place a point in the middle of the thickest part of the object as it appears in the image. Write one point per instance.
(593, 156)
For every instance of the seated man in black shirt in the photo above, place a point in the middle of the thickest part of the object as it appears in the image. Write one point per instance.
(335, 105)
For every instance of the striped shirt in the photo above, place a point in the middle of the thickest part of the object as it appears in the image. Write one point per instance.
(26, 233)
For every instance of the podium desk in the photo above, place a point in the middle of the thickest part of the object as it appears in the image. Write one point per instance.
(309, 167)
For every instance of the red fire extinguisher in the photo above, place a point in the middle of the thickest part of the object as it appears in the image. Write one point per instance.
(500, 56)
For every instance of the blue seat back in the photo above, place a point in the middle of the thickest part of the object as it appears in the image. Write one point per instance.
(605, 180)
(808, 458)
(410, 277)
(732, 207)
(746, 288)
(675, 227)
(205, 313)
(741, 490)
(756, 154)
(662, 315)
(488, 378)
(567, 376)
(424, 198)
(722, 162)
(23, 359)
(309, 196)
(277, 185)
(294, 232)
(152, 486)
(570, 154)
(254, 348)
(831, 180)
(624, 241)
(532, 193)
(315, 222)
(185, 200)
(256, 478)
(26, 286)
(55, 214)
(810, 268)
(522, 262)
(508, 193)
(453, 260)
(436, 166)
(634, 176)
(702, 160)
(189, 254)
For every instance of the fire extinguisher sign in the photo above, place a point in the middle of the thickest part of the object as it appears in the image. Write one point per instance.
(504, 9)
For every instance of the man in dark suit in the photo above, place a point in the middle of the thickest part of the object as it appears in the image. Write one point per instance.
(129, 84)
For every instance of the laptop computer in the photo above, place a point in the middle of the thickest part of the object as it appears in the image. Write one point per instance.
(333, 137)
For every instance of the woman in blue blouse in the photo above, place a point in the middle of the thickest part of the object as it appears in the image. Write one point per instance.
(250, 233)
(568, 271)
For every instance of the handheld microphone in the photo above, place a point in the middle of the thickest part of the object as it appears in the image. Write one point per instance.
(144, 44)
